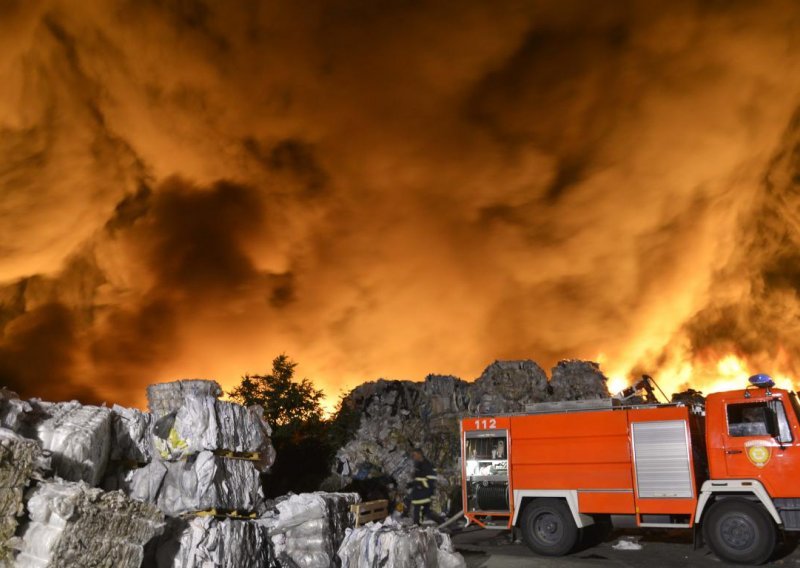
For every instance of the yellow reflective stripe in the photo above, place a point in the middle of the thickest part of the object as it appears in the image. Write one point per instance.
(432, 476)
(421, 501)
(420, 478)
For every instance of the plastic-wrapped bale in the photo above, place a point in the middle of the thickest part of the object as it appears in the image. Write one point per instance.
(507, 386)
(394, 545)
(201, 483)
(307, 529)
(72, 524)
(131, 435)
(204, 423)
(578, 380)
(12, 410)
(19, 458)
(207, 542)
(79, 438)
(163, 398)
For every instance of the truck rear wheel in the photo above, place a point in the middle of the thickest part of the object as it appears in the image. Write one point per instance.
(548, 527)
(740, 531)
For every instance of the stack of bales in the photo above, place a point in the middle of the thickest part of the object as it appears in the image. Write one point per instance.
(399, 415)
(307, 529)
(72, 524)
(390, 543)
(63, 449)
(77, 436)
(207, 542)
(19, 458)
(205, 465)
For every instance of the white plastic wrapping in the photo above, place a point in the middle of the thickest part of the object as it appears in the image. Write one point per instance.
(79, 438)
(204, 423)
(131, 439)
(206, 542)
(72, 524)
(12, 410)
(394, 545)
(201, 483)
(163, 398)
(307, 529)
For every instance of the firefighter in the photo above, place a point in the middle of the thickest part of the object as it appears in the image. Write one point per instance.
(422, 488)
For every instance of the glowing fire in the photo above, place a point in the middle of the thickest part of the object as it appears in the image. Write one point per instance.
(708, 374)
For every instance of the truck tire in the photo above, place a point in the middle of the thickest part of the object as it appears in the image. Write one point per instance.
(548, 527)
(740, 531)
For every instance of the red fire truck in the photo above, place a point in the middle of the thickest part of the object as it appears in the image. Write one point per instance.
(728, 469)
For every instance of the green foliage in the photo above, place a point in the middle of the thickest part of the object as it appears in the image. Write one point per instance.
(286, 402)
(300, 434)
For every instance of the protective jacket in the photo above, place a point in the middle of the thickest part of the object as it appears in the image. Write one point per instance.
(424, 483)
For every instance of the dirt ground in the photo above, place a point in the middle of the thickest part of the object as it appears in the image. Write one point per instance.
(659, 549)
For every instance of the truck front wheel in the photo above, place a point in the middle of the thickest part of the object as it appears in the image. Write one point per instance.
(740, 531)
(548, 527)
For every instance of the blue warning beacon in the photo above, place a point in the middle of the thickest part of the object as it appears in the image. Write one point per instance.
(762, 381)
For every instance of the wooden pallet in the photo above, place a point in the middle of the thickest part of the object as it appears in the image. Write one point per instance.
(369, 511)
(219, 514)
(249, 456)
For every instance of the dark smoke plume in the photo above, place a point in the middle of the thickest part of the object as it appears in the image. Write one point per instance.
(392, 189)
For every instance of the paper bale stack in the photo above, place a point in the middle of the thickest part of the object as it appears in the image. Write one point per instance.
(307, 529)
(72, 524)
(19, 459)
(394, 545)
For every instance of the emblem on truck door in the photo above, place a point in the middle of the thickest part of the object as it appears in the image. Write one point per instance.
(758, 452)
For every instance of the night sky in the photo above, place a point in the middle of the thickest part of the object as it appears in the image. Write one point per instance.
(395, 188)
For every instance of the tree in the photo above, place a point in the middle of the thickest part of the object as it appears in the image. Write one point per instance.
(299, 430)
(285, 401)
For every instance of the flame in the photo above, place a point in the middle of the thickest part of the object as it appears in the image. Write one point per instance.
(708, 373)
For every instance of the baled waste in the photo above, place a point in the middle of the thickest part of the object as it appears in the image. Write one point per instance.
(209, 542)
(398, 545)
(20, 460)
(72, 524)
(180, 486)
(399, 415)
(306, 529)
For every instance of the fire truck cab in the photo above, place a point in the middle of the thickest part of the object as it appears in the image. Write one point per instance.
(560, 471)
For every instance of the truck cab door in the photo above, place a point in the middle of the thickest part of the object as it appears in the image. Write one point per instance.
(758, 441)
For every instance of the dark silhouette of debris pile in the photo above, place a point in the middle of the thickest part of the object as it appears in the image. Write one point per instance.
(399, 415)
(578, 380)
(689, 396)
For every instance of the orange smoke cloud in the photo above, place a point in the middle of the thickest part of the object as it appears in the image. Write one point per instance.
(189, 189)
